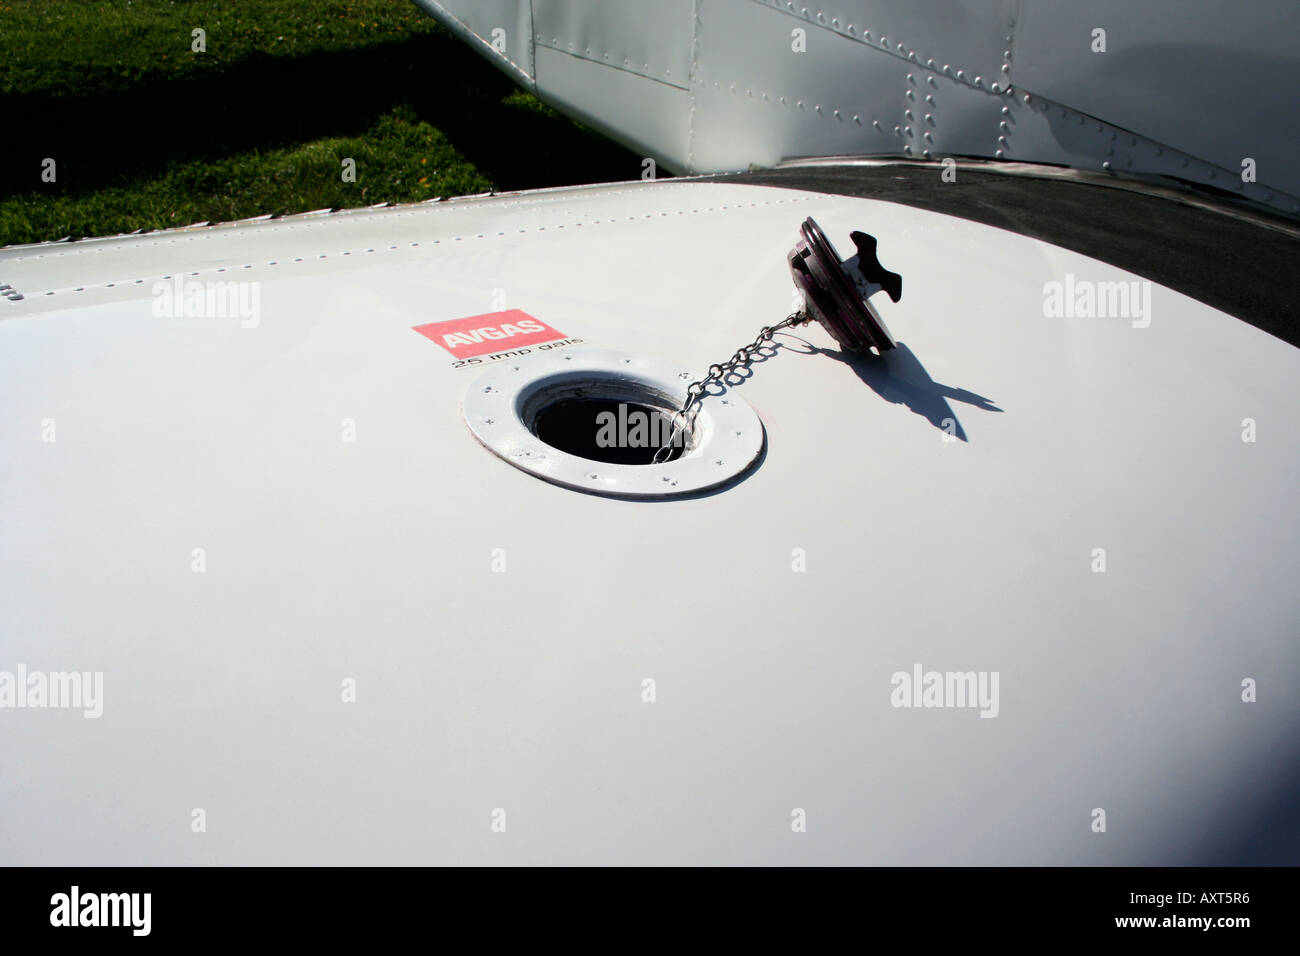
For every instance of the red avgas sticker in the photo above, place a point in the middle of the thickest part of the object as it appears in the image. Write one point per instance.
(494, 332)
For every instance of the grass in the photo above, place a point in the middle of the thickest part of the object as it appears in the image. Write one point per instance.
(148, 134)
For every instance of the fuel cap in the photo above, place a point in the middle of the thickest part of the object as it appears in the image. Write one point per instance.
(836, 293)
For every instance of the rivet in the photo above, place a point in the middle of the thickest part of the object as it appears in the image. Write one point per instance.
(998, 153)
(1105, 165)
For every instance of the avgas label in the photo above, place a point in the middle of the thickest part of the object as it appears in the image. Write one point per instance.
(481, 335)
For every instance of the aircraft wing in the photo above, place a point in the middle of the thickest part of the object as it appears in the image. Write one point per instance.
(347, 631)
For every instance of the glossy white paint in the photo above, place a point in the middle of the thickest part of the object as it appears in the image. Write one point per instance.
(1178, 91)
(372, 560)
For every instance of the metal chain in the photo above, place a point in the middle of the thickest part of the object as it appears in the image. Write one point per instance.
(684, 418)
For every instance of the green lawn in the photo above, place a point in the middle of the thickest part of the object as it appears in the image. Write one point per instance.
(146, 133)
